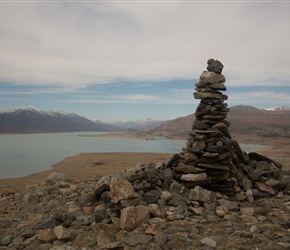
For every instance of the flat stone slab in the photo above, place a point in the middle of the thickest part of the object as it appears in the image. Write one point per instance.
(194, 177)
(184, 168)
(211, 77)
(213, 166)
(209, 95)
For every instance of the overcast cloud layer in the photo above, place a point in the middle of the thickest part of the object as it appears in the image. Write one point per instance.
(66, 47)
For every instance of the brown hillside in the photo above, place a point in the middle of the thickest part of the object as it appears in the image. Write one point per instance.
(173, 128)
(250, 120)
(243, 119)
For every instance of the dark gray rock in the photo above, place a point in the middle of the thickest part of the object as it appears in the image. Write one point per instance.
(151, 196)
(209, 95)
(100, 213)
(258, 157)
(6, 240)
(106, 197)
(102, 186)
(287, 222)
(49, 223)
(215, 66)
(265, 188)
(86, 199)
(284, 180)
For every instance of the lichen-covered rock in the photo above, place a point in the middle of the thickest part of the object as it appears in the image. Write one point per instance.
(47, 236)
(202, 195)
(62, 233)
(132, 217)
(121, 189)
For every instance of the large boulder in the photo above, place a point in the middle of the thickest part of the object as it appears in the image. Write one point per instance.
(53, 178)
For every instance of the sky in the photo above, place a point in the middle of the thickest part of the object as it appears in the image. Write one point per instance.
(129, 60)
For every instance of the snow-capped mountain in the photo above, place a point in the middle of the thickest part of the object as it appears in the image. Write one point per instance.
(280, 108)
(30, 108)
(20, 109)
(29, 119)
(142, 124)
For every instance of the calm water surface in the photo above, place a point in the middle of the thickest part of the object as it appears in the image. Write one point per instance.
(25, 154)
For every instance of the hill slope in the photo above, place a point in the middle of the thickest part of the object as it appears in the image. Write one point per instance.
(176, 127)
(261, 122)
(31, 120)
(243, 119)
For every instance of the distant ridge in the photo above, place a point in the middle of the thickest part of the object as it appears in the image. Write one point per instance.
(263, 122)
(244, 120)
(244, 110)
(142, 124)
(273, 122)
(29, 119)
(175, 127)
(281, 108)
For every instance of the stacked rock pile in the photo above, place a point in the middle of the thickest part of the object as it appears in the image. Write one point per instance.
(207, 156)
(211, 157)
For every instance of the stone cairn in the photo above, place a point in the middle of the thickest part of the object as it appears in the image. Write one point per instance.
(211, 158)
(208, 155)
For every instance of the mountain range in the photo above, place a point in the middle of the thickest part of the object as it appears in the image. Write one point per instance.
(142, 124)
(272, 122)
(29, 119)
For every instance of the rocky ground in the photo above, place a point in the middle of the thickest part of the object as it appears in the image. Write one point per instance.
(142, 208)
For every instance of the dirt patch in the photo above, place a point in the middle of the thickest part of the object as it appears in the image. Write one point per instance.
(86, 166)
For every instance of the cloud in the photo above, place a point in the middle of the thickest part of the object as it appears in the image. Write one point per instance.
(78, 44)
(260, 99)
(138, 97)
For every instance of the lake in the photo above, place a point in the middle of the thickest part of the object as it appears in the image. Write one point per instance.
(25, 154)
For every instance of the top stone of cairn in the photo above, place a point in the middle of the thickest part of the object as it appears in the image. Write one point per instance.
(214, 66)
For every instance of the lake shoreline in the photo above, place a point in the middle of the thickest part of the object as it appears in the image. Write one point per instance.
(138, 136)
(22, 155)
(86, 166)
